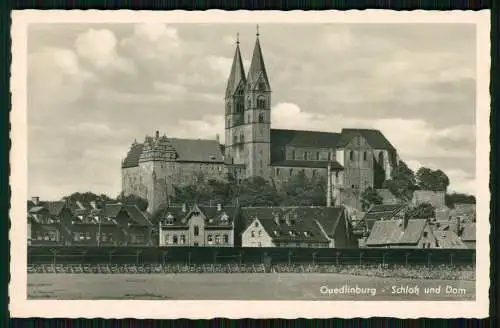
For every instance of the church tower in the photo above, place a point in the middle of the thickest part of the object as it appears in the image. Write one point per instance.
(234, 117)
(257, 134)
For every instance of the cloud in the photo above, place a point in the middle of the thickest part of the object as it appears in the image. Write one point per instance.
(152, 41)
(98, 47)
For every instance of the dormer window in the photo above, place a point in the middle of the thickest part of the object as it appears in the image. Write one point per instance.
(306, 234)
(225, 218)
(170, 219)
(276, 233)
(292, 233)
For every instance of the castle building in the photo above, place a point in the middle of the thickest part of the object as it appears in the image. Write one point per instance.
(357, 158)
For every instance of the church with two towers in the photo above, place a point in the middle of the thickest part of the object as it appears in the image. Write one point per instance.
(356, 158)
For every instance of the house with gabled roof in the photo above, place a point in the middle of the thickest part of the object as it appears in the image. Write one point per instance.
(313, 227)
(207, 226)
(402, 233)
(47, 221)
(380, 212)
(468, 235)
(358, 158)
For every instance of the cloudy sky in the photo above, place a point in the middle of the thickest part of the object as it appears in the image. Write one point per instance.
(93, 89)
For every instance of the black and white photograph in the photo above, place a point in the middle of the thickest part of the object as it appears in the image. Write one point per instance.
(233, 156)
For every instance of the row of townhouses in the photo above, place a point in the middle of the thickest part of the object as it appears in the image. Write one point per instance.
(116, 224)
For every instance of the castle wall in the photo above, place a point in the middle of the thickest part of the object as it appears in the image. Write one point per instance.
(435, 198)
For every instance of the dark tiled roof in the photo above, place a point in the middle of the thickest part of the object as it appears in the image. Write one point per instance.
(379, 212)
(448, 239)
(280, 138)
(469, 232)
(214, 217)
(37, 209)
(112, 210)
(133, 155)
(188, 150)
(306, 219)
(137, 215)
(374, 138)
(55, 208)
(197, 150)
(312, 164)
(391, 232)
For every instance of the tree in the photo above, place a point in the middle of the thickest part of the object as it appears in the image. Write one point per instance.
(257, 191)
(140, 202)
(370, 197)
(421, 211)
(402, 183)
(434, 180)
(86, 197)
(457, 198)
(301, 190)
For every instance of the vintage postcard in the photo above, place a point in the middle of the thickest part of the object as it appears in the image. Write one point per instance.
(250, 164)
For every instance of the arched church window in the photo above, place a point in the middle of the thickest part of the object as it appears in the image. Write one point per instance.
(261, 102)
(235, 140)
(365, 155)
(242, 137)
(248, 118)
(261, 118)
(249, 102)
(381, 157)
(351, 155)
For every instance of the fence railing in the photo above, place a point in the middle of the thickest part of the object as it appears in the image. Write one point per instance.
(247, 256)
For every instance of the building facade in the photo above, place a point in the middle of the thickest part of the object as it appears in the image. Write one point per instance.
(358, 158)
(201, 226)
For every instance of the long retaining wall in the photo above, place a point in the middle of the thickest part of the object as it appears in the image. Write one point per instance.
(206, 255)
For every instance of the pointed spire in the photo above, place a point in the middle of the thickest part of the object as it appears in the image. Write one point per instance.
(237, 71)
(257, 67)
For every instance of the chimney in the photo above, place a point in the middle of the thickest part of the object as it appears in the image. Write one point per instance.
(217, 137)
(184, 207)
(219, 207)
(35, 200)
(329, 186)
(157, 135)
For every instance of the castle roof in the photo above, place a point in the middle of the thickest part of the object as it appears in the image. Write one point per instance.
(375, 138)
(304, 138)
(187, 150)
(237, 74)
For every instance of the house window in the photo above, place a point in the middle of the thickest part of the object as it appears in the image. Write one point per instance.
(176, 241)
(196, 230)
(351, 155)
(167, 239)
(260, 233)
(253, 233)
(365, 156)
(210, 239)
(425, 234)
(195, 243)
(225, 238)
(317, 155)
(235, 140)
(261, 118)
(261, 103)
(278, 172)
(256, 224)
(217, 239)
(291, 172)
(329, 156)
(305, 156)
(314, 173)
(293, 154)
